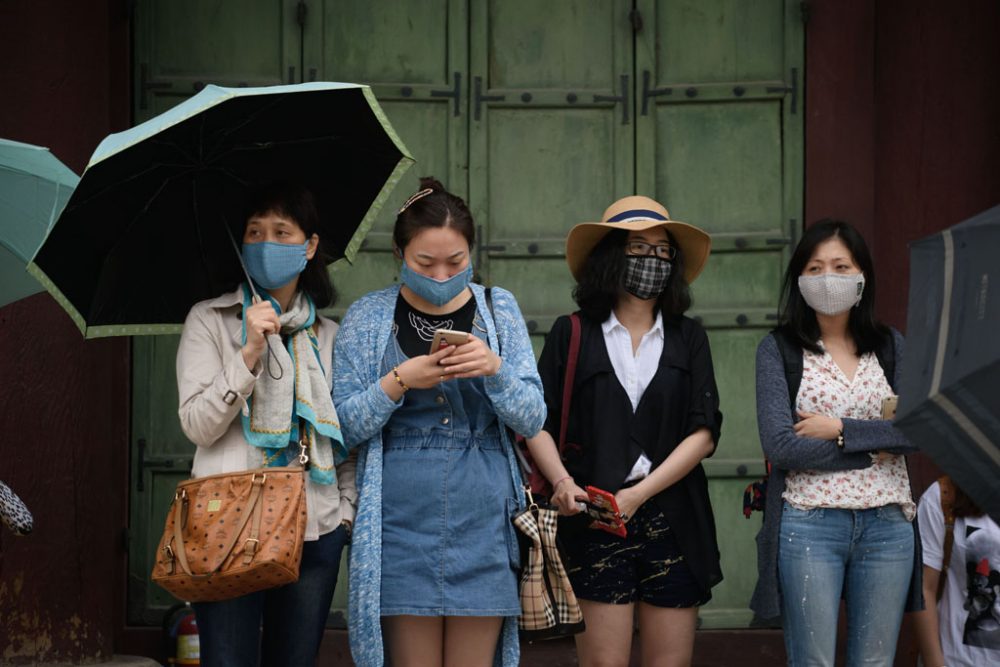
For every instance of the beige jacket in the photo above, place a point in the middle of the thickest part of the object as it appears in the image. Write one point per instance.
(214, 382)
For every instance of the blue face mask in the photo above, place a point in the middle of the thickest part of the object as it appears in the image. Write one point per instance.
(274, 265)
(438, 292)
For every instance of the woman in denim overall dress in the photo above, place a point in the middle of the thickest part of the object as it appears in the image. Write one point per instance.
(434, 559)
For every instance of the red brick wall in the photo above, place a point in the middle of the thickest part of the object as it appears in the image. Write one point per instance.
(63, 401)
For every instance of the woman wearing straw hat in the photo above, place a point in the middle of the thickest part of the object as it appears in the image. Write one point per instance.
(644, 413)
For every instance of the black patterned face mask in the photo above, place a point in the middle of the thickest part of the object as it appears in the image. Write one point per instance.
(646, 275)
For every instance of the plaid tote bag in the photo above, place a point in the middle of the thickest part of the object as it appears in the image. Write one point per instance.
(548, 605)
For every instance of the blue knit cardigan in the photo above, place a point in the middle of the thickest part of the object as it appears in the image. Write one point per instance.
(364, 409)
(788, 451)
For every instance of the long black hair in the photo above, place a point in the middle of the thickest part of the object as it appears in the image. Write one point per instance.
(602, 278)
(798, 320)
(298, 204)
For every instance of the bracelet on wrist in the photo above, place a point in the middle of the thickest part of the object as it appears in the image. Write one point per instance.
(399, 380)
(560, 481)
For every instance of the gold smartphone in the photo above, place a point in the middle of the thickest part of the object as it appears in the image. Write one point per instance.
(889, 407)
(444, 337)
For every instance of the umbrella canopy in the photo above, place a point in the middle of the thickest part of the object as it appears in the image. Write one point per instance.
(949, 402)
(144, 236)
(34, 188)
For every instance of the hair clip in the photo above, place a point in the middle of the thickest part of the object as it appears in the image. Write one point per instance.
(416, 197)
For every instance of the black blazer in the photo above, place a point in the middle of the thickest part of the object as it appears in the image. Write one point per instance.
(604, 436)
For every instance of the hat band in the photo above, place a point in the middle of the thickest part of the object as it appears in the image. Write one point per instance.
(637, 214)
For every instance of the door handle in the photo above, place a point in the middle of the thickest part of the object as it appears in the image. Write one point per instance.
(455, 94)
(623, 98)
(479, 98)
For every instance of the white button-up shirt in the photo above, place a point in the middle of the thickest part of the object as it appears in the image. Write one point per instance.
(634, 370)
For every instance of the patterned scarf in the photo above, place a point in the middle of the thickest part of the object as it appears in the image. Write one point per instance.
(279, 410)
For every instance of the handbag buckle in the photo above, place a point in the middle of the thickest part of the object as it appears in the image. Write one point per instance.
(263, 478)
(532, 505)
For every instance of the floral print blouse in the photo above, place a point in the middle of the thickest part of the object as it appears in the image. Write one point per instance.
(826, 390)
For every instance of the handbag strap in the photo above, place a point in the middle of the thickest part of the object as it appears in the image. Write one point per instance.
(571, 361)
(948, 509)
(256, 487)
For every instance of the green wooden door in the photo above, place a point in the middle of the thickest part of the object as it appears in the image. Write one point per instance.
(181, 46)
(551, 141)
(719, 142)
(540, 114)
(414, 55)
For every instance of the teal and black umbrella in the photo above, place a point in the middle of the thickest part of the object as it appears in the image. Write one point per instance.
(145, 236)
(949, 403)
(34, 188)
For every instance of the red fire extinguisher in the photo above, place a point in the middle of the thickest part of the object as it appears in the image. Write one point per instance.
(182, 627)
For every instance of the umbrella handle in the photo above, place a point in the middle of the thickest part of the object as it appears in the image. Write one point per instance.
(255, 299)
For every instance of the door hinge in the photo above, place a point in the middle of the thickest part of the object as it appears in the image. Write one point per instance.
(792, 89)
(478, 98)
(623, 98)
(301, 12)
(635, 18)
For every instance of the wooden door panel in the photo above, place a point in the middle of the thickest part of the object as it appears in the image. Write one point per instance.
(551, 139)
(182, 45)
(720, 165)
(380, 42)
(720, 40)
(728, 607)
(414, 55)
(718, 141)
(161, 457)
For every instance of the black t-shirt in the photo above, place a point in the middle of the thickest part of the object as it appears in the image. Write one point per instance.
(415, 329)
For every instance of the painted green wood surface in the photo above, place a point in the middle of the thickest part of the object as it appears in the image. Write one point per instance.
(413, 54)
(718, 144)
(536, 154)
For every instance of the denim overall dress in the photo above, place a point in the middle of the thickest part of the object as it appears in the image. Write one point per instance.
(447, 503)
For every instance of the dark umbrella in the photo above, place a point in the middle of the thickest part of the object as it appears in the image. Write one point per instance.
(949, 403)
(145, 236)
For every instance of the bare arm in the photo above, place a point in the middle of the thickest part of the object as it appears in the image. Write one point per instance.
(681, 461)
(565, 493)
(926, 622)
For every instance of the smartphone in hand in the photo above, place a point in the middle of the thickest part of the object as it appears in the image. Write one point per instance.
(444, 337)
(606, 517)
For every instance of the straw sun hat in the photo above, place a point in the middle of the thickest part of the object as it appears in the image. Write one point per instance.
(636, 213)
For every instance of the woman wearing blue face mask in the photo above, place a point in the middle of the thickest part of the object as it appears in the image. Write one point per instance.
(839, 517)
(434, 555)
(245, 406)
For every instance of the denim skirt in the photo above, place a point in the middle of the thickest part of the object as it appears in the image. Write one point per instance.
(447, 543)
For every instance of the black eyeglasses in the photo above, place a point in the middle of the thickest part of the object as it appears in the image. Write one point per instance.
(641, 248)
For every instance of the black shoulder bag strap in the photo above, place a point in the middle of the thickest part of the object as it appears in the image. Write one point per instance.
(791, 356)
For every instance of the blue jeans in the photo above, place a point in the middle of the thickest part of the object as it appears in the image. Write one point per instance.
(866, 556)
(293, 616)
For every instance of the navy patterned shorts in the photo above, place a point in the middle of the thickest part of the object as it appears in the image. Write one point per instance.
(646, 565)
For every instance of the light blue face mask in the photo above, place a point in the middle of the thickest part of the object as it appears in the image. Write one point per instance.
(274, 265)
(438, 292)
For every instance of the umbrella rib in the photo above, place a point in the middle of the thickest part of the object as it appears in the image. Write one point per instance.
(133, 177)
(273, 144)
(224, 135)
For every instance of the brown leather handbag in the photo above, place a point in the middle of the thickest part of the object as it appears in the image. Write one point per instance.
(232, 534)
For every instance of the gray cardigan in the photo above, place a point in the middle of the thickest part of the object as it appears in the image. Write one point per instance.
(788, 451)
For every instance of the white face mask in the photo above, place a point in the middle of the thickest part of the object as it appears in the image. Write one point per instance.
(832, 293)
